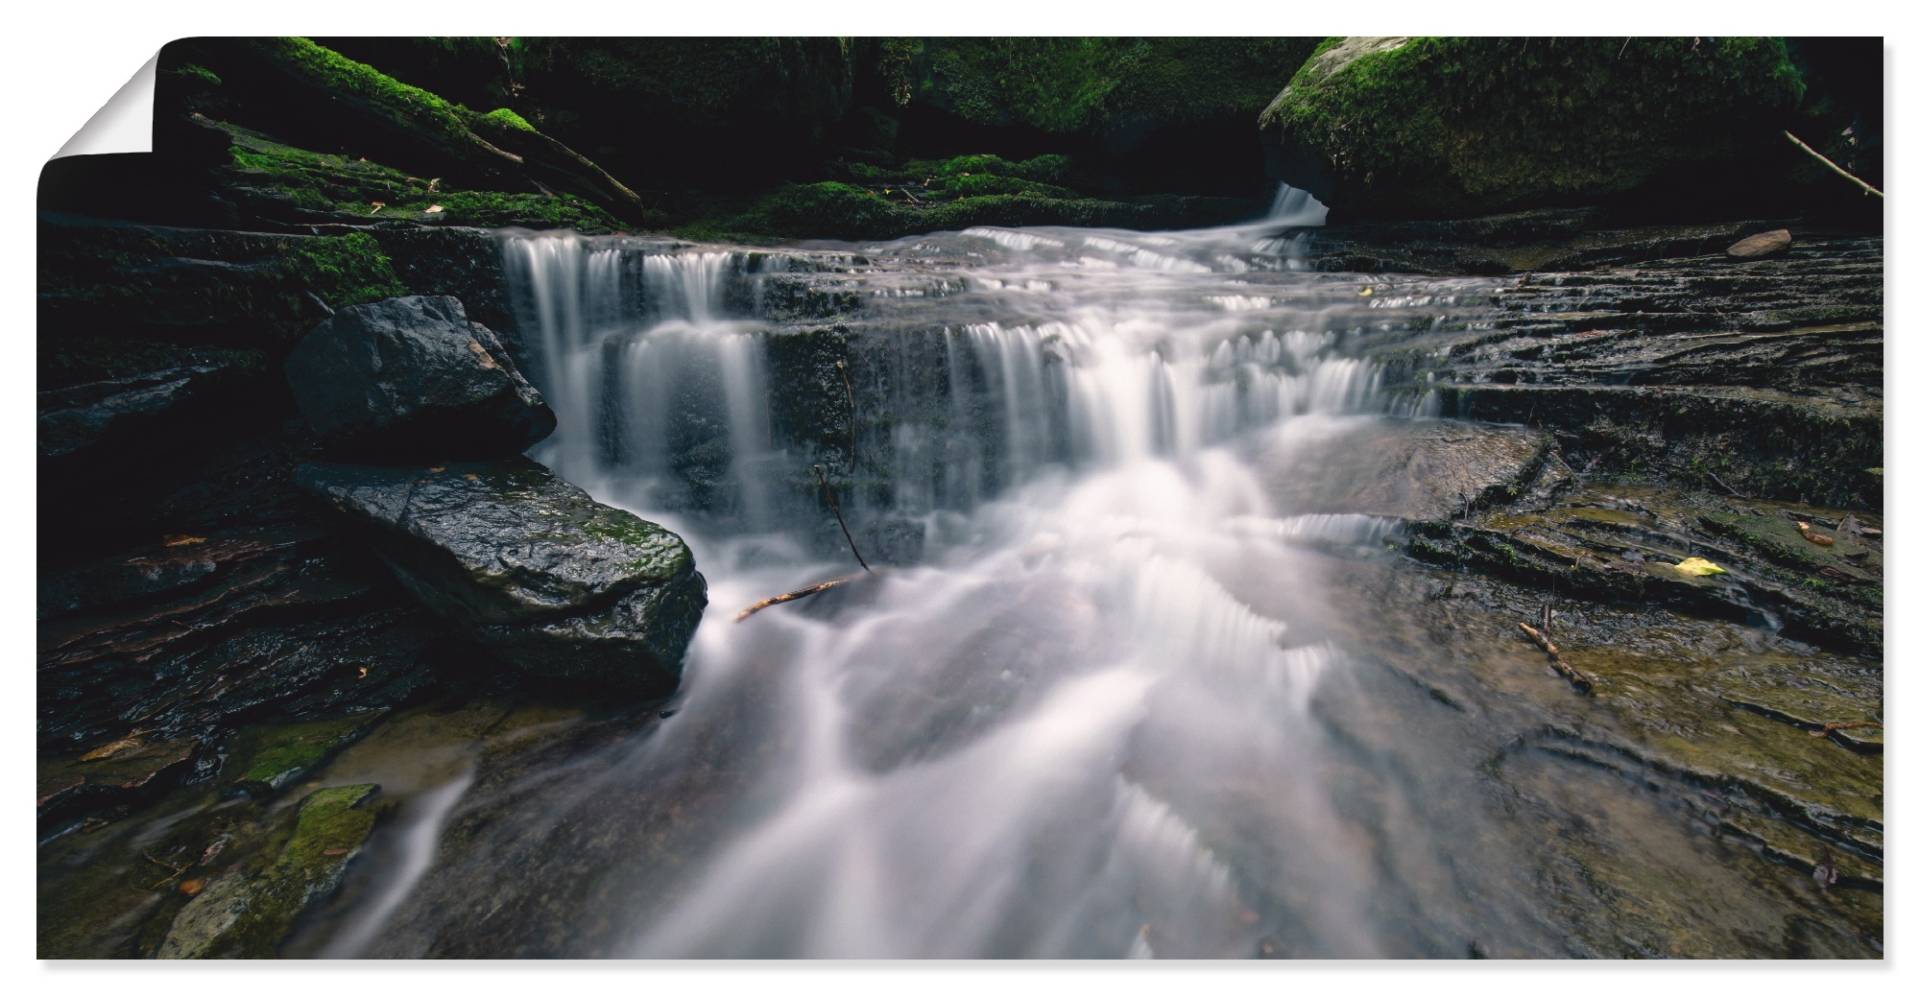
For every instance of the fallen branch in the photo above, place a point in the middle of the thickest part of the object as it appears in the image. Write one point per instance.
(1862, 184)
(1543, 639)
(814, 589)
(834, 503)
(795, 595)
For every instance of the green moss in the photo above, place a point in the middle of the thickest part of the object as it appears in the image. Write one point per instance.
(835, 210)
(506, 118)
(330, 820)
(267, 758)
(357, 79)
(248, 911)
(317, 185)
(343, 270)
(1479, 124)
(657, 552)
(197, 73)
(977, 185)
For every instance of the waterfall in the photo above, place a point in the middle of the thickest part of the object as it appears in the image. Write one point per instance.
(1296, 207)
(663, 390)
(657, 393)
(1058, 427)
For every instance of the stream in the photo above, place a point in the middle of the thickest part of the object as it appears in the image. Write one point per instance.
(1101, 695)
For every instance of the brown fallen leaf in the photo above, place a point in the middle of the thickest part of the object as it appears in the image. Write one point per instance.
(120, 746)
(181, 539)
(1763, 244)
(334, 852)
(1806, 530)
(363, 671)
(192, 886)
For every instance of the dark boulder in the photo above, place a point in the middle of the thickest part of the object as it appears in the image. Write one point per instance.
(1453, 127)
(413, 377)
(530, 566)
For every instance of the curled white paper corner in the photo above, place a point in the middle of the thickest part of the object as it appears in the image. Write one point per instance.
(123, 124)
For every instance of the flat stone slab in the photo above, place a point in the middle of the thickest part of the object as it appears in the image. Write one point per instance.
(1416, 470)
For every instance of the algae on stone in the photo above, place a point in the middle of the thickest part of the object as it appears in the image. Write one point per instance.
(248, 913)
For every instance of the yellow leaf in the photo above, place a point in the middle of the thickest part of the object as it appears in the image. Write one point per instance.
(1699, 567)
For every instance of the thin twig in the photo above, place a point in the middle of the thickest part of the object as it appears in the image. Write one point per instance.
(853, 428)
(834, 503)
(798, 593)
(1724, 485)
(1862, 184)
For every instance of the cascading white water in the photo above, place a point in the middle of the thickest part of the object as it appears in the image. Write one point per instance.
(996, 750)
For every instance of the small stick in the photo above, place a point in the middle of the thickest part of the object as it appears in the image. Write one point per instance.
(1724, 485)
(795, 595)
(1580, 682)
(834, 503)
(853, 428)
(1862, 184)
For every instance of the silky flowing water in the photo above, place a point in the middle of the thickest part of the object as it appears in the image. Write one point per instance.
(1082, 707)
(953, 771)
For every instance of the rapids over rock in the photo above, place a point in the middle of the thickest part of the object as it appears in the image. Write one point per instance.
(1180, 582)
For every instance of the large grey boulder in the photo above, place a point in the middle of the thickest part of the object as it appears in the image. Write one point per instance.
(413, 378)
(528, 565)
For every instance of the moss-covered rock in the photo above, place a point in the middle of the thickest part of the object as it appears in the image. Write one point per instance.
(530, 566)
(1448, 127)
(262, 760)
(247, 912)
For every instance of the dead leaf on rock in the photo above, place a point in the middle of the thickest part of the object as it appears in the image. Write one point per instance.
(1806, 530)
(434, 209)
(181, 539)
(192, 886)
